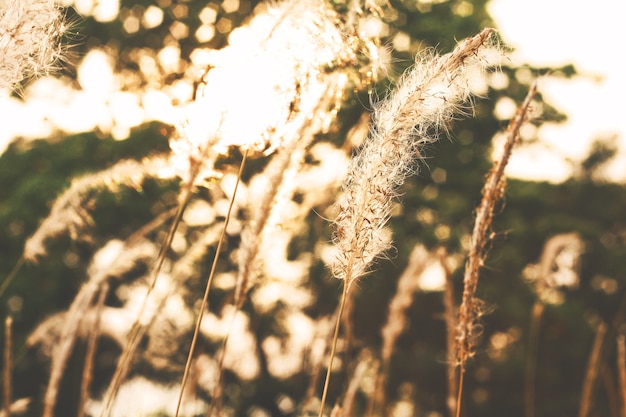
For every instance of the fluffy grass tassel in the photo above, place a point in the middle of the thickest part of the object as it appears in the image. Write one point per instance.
(493, 190)
(428, 97)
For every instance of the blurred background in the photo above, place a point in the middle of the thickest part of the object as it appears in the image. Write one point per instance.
(129, 64)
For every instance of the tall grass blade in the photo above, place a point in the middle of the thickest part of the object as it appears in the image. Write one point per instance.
(205, 298)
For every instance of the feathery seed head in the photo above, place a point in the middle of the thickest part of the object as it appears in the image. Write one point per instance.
(29, 39)
(427, 97)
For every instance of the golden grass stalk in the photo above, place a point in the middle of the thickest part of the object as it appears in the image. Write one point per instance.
(100, 270)
(278, 176)
(249, 265)
(8, 365)
(92, 343)
(557, 268)
(531, 360)
(312, 57)
(493, 190)
(309, 88)
(11, 276)
(549, 289)
(289, 81)
(365, 364)
(621, 369)
(450, 314)
(205, 298)
(196, 167)
(69, 213)
(67, 340)
(612, 392)
(408, 284)
(333, 348)
(317, 353)
(426, 99)
(591, 375)
(292, 96)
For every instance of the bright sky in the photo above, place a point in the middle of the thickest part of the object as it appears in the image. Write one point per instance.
(586, 34)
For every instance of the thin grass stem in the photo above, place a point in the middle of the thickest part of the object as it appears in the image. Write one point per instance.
(407, 286)
(91, 351)
(612, 392)
(67, 340)
(342, 304)
(324, 335)
(205, 298)
(7, 281)
(450, 313)
(531, 360)
(459, 397)
(8, 365)
(365, 363)
(139, 329)
(586, 397)
(216, 395)
(621, 369)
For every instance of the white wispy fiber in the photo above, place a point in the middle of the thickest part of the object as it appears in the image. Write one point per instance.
(254, 89)
(427, 97)
(29, 39)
